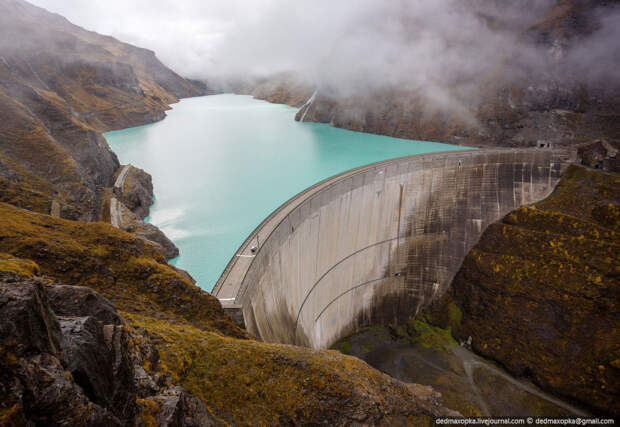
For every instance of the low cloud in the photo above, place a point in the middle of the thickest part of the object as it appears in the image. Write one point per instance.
(444, 49)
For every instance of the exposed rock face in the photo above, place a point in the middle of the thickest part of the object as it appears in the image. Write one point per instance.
(60, 87)
(52, 397)
(34, 381)
(133, 189)
(539, 293)
(176, 404)
(28, 318)
(80, 301)
(99, 361)
(154, 234)
(75, 369)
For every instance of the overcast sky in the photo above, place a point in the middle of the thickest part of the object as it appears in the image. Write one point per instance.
(182, 32)
(198, 37)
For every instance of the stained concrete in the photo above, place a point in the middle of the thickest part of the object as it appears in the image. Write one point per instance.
(376, 244)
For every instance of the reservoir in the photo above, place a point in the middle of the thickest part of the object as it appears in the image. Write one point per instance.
(221, 164)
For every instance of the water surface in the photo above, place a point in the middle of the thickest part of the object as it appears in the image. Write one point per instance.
(221, 164)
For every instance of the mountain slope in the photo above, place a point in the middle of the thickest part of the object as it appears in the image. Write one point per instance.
(60, 87)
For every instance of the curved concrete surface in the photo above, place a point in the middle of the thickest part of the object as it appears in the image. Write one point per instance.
(376, 244)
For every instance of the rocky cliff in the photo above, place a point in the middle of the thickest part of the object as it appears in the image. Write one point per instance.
(60, 87)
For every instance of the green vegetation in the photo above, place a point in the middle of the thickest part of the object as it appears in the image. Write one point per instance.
(128, 270)
(236, 376)
(24, 189)
(430, 336)
(344, 347)
(21, 267)
(425, 334)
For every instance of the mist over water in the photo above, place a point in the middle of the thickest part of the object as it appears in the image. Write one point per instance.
(221, 164)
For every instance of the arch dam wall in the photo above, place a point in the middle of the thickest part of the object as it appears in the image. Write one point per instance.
(376, 244)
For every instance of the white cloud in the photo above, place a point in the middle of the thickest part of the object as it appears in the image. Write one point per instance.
(182, 33)
(347, 44)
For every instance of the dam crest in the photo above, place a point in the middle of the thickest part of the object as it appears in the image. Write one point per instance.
(376, 244)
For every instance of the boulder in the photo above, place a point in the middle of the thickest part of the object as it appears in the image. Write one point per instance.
(27, 324)
(180, 408)
(50, 395)
(98, 358)
(81, 365)
(154, 234)
(135, 190)
(82, 301)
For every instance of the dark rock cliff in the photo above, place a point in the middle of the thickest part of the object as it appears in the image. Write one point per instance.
(66, 363)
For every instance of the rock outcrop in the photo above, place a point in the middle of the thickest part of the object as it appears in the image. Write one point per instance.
(78, 368)
(154, 234)
(133, 191)
(134, 188)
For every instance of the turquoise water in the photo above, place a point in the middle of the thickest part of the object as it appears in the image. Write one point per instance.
(221, 164)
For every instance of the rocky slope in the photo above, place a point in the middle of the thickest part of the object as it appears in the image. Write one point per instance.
(68, 358)
(539, 293)
(60, 87)
(127, 205)
(169, 355)
(283, 88)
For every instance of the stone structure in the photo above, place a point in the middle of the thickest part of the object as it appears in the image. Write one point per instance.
(376, 244)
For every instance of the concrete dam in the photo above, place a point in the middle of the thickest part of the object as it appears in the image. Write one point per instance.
(376, 244)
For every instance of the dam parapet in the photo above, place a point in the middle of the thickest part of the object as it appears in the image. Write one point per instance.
(376, 244)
